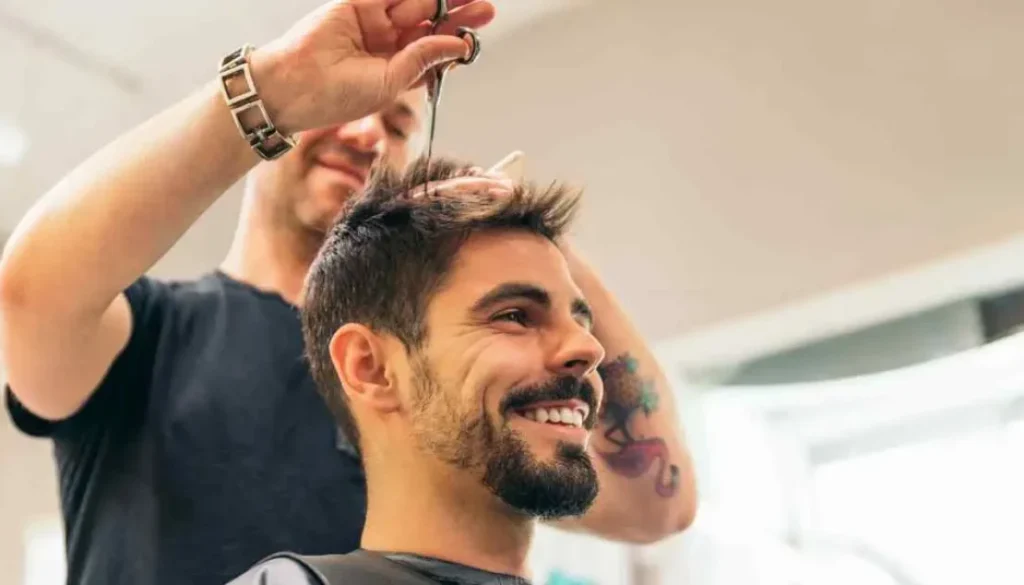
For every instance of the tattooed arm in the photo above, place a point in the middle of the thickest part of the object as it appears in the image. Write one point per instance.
(646, 475)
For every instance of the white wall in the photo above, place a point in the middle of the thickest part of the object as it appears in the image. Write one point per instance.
(28, 494)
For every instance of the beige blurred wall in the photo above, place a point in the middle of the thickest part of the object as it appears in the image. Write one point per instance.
(740, 155)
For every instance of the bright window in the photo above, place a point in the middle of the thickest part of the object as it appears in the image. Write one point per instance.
(44, 554)
(908, 477)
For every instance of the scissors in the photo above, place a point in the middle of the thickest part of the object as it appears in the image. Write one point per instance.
(436, 75)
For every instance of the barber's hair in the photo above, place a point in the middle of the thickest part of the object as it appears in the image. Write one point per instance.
(390, 252)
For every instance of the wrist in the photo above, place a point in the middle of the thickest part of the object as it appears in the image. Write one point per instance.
(247, 104)
(268, 74)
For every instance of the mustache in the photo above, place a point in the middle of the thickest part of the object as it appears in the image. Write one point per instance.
(561, 388)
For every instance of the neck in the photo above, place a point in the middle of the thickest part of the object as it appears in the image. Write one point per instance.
(459, 524)
(269, 255)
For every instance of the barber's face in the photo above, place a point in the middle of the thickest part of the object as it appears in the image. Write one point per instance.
(328, 165)
(506, 386)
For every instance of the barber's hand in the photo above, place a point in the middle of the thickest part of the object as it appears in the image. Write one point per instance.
(351, 58)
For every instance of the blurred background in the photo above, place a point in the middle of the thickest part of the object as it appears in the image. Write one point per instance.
(813, 209)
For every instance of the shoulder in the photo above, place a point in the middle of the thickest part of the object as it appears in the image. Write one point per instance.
(155, 299)
(209, 286)
(150, 293)
(278, 570)
(217, 288)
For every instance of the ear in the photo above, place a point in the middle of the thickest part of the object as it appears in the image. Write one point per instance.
(361, 365)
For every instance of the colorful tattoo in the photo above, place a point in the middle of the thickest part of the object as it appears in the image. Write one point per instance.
(626, 394)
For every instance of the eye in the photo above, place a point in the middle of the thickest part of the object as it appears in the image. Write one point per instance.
(394, 131)
(518, 316)
(586, 324)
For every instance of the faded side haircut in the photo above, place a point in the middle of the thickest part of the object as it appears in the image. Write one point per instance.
(390, 253)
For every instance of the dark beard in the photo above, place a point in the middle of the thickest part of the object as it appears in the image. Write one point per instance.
(564, 487)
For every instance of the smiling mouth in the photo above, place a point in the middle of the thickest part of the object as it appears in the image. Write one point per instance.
(349, 170)
(563, 415)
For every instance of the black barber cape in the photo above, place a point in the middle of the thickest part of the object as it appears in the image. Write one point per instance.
(205, 448)
(368, 568)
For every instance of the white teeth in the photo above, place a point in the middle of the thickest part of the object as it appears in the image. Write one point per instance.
(567, 416)
(562, 415)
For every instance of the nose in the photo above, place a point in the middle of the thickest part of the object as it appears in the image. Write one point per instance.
(579, 352)
(365, 135)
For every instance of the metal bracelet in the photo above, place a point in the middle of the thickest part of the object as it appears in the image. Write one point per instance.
(264, 137)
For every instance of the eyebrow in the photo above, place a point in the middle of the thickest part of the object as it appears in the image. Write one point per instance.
(401, 109)
(580, 308)
(518, 290)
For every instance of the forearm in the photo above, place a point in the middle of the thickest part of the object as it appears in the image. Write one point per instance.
(647, 483)
(114, 216)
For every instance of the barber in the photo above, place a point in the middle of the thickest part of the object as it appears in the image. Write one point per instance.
(188, 435)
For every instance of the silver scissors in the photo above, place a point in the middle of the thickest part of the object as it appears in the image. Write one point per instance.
(436, 75)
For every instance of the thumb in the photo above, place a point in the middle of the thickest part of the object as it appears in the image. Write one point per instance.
(409, 64)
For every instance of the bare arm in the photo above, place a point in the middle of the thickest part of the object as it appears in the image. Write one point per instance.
(646, 475)
(62, 316)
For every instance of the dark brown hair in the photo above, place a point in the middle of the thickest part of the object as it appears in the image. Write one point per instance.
(389, 253)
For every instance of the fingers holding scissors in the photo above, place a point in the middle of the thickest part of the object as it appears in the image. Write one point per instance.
(451, 40)
(410, 13)
(471, 16)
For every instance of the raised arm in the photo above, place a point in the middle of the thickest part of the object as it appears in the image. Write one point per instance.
(646, 474)
(63, 317)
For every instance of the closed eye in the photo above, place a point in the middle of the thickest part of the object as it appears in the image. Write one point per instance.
(395, 131)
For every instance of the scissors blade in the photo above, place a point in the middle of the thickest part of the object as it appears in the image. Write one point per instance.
(434, 83)
(436, 77)
(434, 99)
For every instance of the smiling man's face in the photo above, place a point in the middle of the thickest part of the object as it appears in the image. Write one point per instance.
(310, 185)
(505, 387)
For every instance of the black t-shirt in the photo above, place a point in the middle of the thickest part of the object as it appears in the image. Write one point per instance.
(447, 573)
(363, 567)
(205, 448)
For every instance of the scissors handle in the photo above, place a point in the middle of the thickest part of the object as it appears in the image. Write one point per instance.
(441, 14)
(474, 41)
(437, 79)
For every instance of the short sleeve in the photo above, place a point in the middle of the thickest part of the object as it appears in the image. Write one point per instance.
(124, 389)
